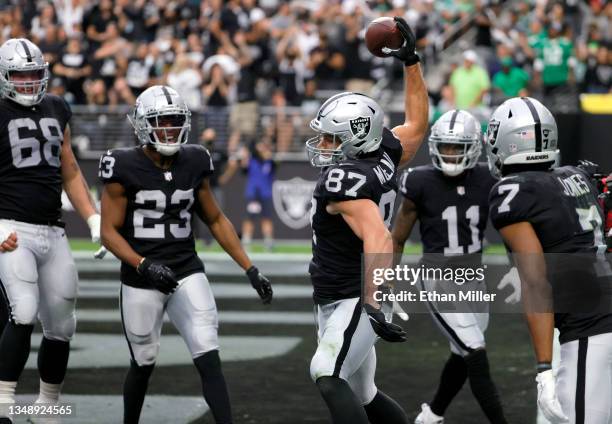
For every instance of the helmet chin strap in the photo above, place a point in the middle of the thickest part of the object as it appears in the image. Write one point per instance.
(452, 169)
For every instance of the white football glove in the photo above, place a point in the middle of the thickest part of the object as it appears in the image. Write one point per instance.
(100, 253)
(94, 227)
(94, 222)
(547, 398)
(511, 278)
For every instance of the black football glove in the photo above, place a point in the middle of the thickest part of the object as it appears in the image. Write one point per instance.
(407, 53)
(260, 283)
(160, 276)
(385, 330)
(589, 167)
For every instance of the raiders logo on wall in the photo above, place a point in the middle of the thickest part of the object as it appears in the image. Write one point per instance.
(291, 200)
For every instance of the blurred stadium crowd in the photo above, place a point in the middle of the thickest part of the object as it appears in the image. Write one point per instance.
(258, 69)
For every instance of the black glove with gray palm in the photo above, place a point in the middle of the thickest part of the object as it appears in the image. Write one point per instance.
(261, 284)
(407, 53)
(384, 329)
(159, 276)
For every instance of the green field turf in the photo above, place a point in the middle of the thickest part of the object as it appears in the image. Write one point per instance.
(280, 247)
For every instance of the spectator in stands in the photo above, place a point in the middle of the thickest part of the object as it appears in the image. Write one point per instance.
(358, 58)
(131, 19)
(259, 165)
(140, 73)
(120, 93)
(95, 92)
(512, 81)
(52, 44)
(223, 169)
(245, 112)
(97, 23)
(57, 87)
(107, 58)
(328, 64)
(46, 18)
(598, 76)
(195, 49)
(278, 129)
(216, 87)
(70, 16)
(291, 68)
(186, 79)
(469, 83)
(553, 60)
(73, 67)
(310, 103)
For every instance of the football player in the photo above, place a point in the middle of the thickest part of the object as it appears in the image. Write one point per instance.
(37, 272)
(351, 210)
(450, 198)
(150, 193)
(542, 209)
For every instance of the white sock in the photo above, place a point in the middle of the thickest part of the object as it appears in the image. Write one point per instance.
(49, 393)
(7, 396)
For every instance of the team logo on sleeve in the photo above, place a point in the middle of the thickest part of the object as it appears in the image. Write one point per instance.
(360, 127)
(492, 130)
(292, 201)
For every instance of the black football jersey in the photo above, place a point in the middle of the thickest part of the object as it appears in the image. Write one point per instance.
(160, 205)
(30, 146)
(452, 211)
(335, 268)
(562, 207)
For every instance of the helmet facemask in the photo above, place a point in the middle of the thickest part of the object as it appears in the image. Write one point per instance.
(25, 86)
(161, 118)
(168, 132)
(452, 156)
(324, 150)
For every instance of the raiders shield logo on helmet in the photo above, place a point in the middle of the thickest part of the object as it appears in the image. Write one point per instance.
(360, 127)
(291, 200)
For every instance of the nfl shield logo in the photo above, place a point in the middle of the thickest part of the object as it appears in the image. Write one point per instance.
(168, 176)
(360, 127)
(461, 190)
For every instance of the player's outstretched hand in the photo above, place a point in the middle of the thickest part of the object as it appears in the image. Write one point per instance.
(407, 53)
(385, 330)
(261, 284)
(513, 280)
(160, 276)
(547, 398)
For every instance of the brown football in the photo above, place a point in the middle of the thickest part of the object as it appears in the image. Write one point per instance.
(382, 32)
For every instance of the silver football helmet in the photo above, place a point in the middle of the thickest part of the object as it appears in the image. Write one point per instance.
(352, 122)
(455, 142)
(521, 131)
(23, 72)
(161, 118)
